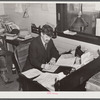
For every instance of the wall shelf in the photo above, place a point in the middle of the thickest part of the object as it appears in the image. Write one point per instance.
(82, 37)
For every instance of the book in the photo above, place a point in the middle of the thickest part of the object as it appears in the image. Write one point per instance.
(11, 37)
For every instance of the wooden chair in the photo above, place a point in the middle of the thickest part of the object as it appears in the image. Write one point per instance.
(35, 29)
(20, 56)
(25, 84)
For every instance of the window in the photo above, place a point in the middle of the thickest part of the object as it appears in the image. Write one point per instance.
(69, 12)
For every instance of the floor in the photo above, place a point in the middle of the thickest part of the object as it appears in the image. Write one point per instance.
(14, 86)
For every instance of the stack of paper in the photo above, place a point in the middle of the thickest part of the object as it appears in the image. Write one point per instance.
(69, 32)
(11, 36)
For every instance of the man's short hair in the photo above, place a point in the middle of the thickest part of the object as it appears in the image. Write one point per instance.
(48, 30)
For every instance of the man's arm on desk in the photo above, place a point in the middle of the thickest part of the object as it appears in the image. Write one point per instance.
(33, 55)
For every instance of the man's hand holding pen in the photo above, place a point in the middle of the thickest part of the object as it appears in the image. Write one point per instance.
(49, 65)
(46, 66)
(52, 61)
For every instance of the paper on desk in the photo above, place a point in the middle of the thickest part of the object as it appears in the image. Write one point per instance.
(32, 73)
(69, 61)
(65, 61)
(47, 80)
(52, 69)
(86, 58)
(61, 75)
(77, 66)
(25, 34)
(11, 37)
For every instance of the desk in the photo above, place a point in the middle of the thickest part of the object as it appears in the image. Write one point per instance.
(74, 82)
(77, 80)
(29, 85)
(19, 46)
(17, 42)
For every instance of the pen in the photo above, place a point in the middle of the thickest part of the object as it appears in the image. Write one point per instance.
(35, 77)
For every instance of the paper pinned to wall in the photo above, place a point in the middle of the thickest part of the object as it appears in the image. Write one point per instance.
(44, 7)
(18, 8)
(98, 27)
(2, 9)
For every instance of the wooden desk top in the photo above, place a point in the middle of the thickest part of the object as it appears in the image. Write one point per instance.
(17, 42)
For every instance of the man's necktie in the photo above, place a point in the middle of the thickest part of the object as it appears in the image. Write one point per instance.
(45, 45)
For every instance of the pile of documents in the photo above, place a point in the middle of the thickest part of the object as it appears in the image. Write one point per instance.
(11, 36)
(75, 62)
(45, 79)
(24, 35)
(69, 32)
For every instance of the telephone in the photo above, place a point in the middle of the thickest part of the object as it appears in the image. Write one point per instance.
(78, 51)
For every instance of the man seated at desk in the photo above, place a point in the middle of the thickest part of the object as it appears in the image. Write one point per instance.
(42, 51)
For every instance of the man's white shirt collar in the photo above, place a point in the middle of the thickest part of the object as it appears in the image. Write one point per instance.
(42, 41)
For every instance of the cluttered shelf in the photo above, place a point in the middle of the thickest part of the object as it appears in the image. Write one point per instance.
(17, 42)
(81, 37)
(14, 39)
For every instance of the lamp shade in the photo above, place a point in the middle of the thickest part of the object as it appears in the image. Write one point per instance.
(78, 24)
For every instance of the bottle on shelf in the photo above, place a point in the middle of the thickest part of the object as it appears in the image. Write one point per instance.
(13, 69)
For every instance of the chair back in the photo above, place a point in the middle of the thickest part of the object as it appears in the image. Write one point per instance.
(22, 53)
(35, 29)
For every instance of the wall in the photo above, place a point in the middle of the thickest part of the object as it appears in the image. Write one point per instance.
(41, 14)
(65, 44)
(38, 14)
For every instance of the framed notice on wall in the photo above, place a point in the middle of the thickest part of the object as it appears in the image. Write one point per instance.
(98, 27)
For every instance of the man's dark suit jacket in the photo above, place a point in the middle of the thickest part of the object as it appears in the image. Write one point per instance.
(38, 55)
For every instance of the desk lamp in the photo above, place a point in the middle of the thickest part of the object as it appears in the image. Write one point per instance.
(79, 24)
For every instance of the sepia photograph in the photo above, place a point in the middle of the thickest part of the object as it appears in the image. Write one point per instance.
(49, 47)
